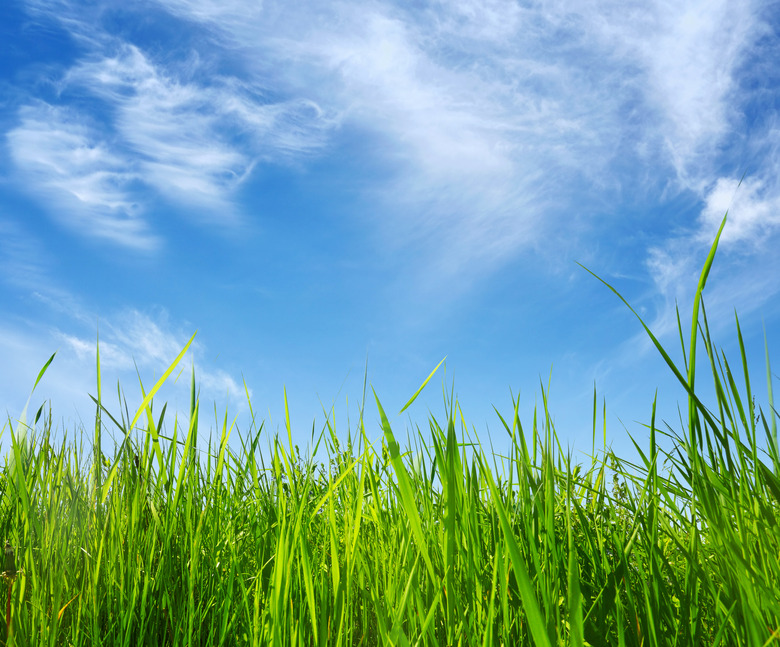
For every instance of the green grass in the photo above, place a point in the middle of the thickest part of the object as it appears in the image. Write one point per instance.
(430, 541)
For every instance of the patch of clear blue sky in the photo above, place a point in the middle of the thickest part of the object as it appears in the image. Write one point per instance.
(383, 182)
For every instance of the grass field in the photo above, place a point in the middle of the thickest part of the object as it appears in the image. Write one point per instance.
(428, 539)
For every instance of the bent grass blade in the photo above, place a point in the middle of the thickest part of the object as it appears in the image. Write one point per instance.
(141, 409)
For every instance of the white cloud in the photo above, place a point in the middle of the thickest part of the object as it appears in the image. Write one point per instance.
(132, 338)
(475, 152)
(489, 116)
(129, 340)
(486, 20)
(753, 207)
(218, 12)
(751, 232)
(485, 118)
(192, 141)
(66, 161)
(692, 53)
(173, 128)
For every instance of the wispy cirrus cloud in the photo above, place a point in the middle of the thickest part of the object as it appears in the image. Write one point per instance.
(129, 341)
(690, 58)
(196, 142)
(132, 339)
(491, 122)
(474, 154)
(68, 163)
(171, 127)
(491, 116)
(166, 129)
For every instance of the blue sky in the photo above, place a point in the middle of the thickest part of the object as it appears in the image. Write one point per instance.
(311, 186)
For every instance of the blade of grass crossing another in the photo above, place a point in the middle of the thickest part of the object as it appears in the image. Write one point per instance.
(186, 463)
(152, 430)
(161, 381)
(397, 635)
(694, 324)
(669, 362)
(141, 409)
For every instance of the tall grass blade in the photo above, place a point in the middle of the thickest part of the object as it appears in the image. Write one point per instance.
(422, 386)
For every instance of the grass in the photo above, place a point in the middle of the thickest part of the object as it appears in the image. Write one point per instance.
(435, 541)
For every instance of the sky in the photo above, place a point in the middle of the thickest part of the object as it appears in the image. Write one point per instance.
(330, 191)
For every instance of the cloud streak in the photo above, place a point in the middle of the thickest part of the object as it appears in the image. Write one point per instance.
(491, 116)
(474, 154)
(485, 119)
(691, 58)
(163, 132)
(69, 164)
(130, 340)
(195, 143)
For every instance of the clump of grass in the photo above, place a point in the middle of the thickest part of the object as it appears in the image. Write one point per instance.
(436, 542)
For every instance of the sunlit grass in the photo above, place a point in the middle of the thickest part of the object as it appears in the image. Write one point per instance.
(430, 541)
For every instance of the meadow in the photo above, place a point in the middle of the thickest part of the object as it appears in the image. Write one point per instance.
(420, 537)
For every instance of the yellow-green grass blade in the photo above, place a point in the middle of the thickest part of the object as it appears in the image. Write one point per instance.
(405, 490)
(22, 426)
(143, 409)
(287, 421)
(43, 370)
(332, 487)
(358, 509)
(152, 430)
(705, 271)
(160, 382)
(487, 637)
(397, 635)
(186, 462)
(17, 469)
(422, 386)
